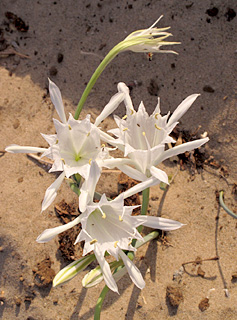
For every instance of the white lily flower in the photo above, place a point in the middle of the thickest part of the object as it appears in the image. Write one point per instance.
(147, 40)
(109, 226)
(75, 144)
(142, 138)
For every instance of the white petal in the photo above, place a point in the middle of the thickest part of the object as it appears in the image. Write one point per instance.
(133, 271)
(14, 148)
(127, 100)
(110, 107)
(49, 234)
(132, 173)
(180, 149)
(88, 187)
(159, 174)
(141, 186)
(56, 98)
(157, 223)
(51, 192)
(108, 277)
(182, 108)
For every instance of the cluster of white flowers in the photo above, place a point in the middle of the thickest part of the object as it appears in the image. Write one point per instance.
(108, 226)
(76, 149)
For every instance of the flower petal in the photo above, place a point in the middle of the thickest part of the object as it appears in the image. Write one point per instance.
(141, 186)
(182, 108)
(180, 149)
(159, 174)
(56, 98)
(14, 148)
(51, 192)
(133, 271)
(108, 277)
(88, 187)
(132, 173)
(157, 222)
(49, 234)
(110, 107)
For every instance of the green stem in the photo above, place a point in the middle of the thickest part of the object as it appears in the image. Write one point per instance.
(100, 302)
(221, 200)
(108, 58)
(145, 203)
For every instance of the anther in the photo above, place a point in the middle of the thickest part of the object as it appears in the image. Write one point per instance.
(120, 218)
(63, 160)
(70, 128)
(103, 215)
(93, 241)
(90, 161)
(124, 117)
(132, 111)
(56, 141)
(115, 244)
(157, 115)
(144, 133)
(88, 134)
(157, 127)
(125, 129)
(103, 145)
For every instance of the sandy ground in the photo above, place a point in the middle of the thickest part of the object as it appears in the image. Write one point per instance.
(82, 32)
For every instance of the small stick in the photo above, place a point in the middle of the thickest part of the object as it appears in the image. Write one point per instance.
(201, 260)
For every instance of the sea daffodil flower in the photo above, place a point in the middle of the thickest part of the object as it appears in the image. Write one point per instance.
(109, 226)
(147, 40)
(142, 138)
(75, 144)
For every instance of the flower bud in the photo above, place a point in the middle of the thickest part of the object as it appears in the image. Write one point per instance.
(72, 270)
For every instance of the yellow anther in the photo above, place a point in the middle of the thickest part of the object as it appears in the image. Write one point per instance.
(130, 242)
(157, 115)
(93, 241)
(125, 129)
(157, 127)
(132, 111)
(103, 215)
(90, 160)
(124, 117)
(56, 141)
(63, 160)
(115, 244)
(120, 218)
(103, 145)
(144, 133)
(70, 128)
(88, 134)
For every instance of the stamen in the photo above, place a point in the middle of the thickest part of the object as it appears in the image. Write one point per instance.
(63, 160)
(103, 214)
(70, 128)
(56, 141)
(88, 134)
(132, 111)
(157, 127)
(115, 244)
(90, 161)
(103, 145)
(93, 241)
(157, 115)
(120, 218)
(130, 242)
(144, 133)
(125, 129)
(124, 117)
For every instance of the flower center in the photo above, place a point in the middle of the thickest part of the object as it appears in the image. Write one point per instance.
(77, 157)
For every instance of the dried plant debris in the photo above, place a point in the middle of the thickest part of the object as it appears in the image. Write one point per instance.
(18, 23)
(43, 273)
(204, 304)
(125, 183)
(195, 159)
(67, 212)
(174, 295)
